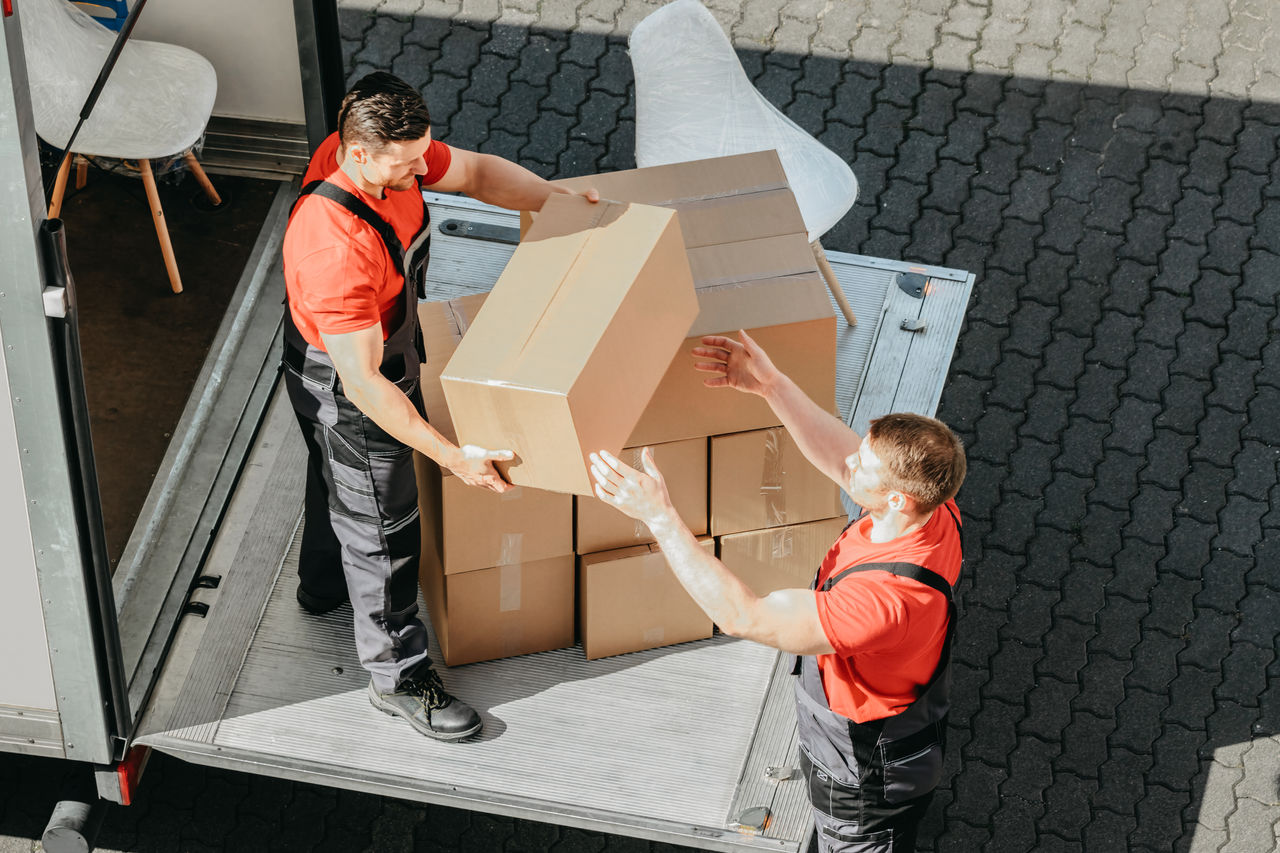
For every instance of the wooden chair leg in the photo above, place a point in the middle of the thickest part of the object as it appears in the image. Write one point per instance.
(202, 178)
(82, 172)
(60, 186)
(162, 230)
(833, 284)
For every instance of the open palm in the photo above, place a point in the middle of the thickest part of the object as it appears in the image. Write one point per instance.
(739, 364)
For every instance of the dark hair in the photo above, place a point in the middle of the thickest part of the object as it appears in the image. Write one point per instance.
(382, 108)
(922, 457)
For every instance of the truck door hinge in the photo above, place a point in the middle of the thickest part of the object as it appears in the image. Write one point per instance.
(753, 821)
(912, 284)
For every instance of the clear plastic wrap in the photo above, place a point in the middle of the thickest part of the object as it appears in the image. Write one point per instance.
(694, 101)
(155, 104)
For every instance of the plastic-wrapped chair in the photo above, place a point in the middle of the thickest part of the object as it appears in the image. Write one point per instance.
(155, 104)
(694, 101)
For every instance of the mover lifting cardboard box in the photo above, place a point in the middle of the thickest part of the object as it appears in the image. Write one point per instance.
(470, 528)
(781, 557)
(753, 269)
(573, 340)
(630, 601)
(600, 527)
(761, 479)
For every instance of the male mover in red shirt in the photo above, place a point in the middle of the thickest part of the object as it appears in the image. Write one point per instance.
(873, 636)
(355, 257)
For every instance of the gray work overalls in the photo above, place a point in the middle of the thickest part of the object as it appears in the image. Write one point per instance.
(870, 783)
(362, 531)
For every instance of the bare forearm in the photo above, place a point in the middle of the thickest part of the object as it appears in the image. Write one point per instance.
(718, 591)
(506, 184)
(388, 407)
(823, 438)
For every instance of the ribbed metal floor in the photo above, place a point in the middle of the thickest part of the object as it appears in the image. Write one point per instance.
(670, 744)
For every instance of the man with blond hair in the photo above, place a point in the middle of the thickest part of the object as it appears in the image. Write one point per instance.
(873, 635)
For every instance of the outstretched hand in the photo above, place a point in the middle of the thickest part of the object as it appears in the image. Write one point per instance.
(739, 364)
(642, 495)
(475, 467)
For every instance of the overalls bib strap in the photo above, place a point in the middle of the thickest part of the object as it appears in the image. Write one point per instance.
(861, 773)
(404, 342)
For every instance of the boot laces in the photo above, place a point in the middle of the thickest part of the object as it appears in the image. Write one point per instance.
(428, 688)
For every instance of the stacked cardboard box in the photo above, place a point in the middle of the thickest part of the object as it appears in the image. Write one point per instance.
(497, 571)
(731, 470)
(753, 269)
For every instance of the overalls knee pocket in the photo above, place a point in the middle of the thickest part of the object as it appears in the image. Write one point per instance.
(353, 494)
(913, 766)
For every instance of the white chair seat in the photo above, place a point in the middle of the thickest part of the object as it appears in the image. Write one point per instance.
(694, 101)
(155, 104)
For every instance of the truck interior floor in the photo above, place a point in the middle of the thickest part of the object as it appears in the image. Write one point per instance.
(621, 744)
(142, 344)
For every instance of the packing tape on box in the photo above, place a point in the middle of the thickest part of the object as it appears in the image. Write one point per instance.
(509, 580)
(457, 322)
(781, 544)
(771, 490)
(596, 216)
(512, 546)
(733, 193)
(654, 635)
(511, 494)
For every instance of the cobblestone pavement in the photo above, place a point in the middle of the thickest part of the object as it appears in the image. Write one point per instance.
(1109, 170)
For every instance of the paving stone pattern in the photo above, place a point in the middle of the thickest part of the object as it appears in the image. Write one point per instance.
(1109, 171)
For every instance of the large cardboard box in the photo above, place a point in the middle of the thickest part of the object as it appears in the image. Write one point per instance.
(465, 527)
(753, 269)
(502, 611)
(781, 557)
(443, 324)
(600, 527)
(573, 339)
(469, 528)
(630, 601)
(760, 479)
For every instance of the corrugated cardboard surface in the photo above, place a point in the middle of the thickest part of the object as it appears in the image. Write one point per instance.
(470, 528)
(501, 611)
(465, 527)
(600, 527)
(683, 407)
(781, 557)
(443, 324)
(573, 339)
(760, 479)
(630, 601)
(753, 269)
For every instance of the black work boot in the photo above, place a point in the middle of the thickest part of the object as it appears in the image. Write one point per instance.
(428, 707)
(318, 605)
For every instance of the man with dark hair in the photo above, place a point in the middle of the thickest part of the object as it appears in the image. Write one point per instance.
(355, 258)
(873, 635)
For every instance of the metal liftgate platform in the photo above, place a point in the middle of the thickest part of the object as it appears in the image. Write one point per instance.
(685, 744)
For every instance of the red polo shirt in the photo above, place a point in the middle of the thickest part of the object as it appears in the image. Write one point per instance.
(337, 272)
(887, 631)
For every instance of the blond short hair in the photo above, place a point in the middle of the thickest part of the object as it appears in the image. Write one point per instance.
(922, 457)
